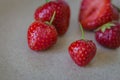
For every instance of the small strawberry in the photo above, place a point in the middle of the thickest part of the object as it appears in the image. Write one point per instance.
(82, 51)
(95, 13)
(62, 18)
(109, 35)
(41, 35)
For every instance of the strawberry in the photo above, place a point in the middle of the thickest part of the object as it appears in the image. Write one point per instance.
(109, 35)
(41, 35)
(82, 51)
(62, 18)
(95, 13)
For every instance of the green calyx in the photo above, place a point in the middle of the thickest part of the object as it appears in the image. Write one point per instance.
(47, 0)
(105, 26)
(53, 16)
(83, 35)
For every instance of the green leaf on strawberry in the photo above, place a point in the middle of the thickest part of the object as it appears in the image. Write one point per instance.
(106, 26)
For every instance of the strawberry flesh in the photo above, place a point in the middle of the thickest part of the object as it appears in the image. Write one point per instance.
(95, 13)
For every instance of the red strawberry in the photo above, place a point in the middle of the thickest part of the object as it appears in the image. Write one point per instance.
(109, 35)
(62, 18)
(95, 13)
(82, 51)
(41, 35)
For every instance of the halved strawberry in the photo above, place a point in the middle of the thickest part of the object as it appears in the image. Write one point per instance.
(94, 13)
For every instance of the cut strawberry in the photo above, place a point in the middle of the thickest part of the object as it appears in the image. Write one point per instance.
(96, 13)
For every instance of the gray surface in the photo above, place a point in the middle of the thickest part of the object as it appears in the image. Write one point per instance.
(18, 62)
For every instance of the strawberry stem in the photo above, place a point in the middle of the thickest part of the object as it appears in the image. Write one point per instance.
(83, 35)
(47, 0)
(53, 16)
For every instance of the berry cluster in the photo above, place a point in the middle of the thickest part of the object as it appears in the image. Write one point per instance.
(52, 20)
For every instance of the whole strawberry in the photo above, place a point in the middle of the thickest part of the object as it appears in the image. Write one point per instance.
(82, 51)
(95, 13)
(109, 35)
(62, 18)
(41, 35)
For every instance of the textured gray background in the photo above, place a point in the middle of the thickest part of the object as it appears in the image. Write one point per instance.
(18, 62)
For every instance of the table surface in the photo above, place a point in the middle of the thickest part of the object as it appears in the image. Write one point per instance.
(18, 62)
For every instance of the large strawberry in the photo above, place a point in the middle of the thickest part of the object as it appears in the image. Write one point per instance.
(62, 18)
(109, 35)
(94, 13)
(41, 35)
(82, 51)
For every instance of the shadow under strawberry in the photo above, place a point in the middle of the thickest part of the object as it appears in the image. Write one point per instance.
(105, 58)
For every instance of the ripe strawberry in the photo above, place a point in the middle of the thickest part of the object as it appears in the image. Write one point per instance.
(82, 51)
(95, 13)
(41, 35)
(109, 35)
(62, 18)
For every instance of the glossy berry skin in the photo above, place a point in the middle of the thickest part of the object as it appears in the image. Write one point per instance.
(110, 38)
(62, 18)
(82, 52)
(41, 36)
(95, 13)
